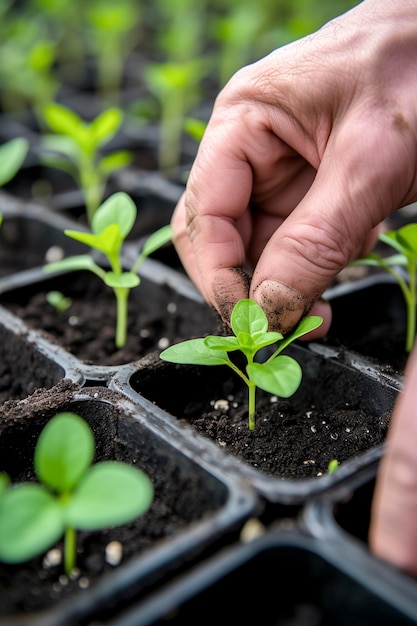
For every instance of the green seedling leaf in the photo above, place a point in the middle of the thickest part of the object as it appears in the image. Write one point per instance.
(64, 451)
(282, 376)
(118, 209)
(127, 280)
(12, 156)
(58, 300)
(157, 239)
(113, 162)
(31, 521)
(279, 374)
(195, 128)
(79, 262)
(194, 352)
(110, 494)
(105, 125)
(108, 241)
(62, 120)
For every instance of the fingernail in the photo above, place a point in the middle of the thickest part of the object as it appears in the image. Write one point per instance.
(284, 306)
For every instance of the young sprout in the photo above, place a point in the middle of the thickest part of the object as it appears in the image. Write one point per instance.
(404, 241)
(58, 300)
(75, 148)
(72, 494)
(332, 467)
(279, 374)
(111, 224)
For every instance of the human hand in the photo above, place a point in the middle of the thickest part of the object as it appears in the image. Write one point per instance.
(306, 152)
(393, 529)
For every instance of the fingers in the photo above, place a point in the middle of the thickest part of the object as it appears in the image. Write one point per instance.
(336, 221)
(215, 264)
(393, 529)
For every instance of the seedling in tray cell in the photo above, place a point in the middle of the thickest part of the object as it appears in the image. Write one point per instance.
(279, 374)
(404, 241)
(72, 494)
(111, 224)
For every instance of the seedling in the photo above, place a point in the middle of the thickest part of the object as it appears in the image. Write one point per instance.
(58, 300)
(72, 494)
(75, 148)
(404, 241)
(332, 466)
(176, 86)
(279, 374)
(111, 224)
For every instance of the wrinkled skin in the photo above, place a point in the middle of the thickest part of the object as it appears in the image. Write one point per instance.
(306, 152)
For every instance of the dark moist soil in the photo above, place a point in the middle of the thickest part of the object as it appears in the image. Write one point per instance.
(157, 316)
(333, 414)
(180, 499)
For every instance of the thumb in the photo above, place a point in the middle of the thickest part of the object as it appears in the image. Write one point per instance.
(328, 228)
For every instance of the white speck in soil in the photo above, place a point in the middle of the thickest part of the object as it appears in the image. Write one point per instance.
(114, 552)
(221, 405)
(163, 343)
(52, 557)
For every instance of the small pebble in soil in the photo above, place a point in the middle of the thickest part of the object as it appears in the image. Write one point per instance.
(54, 253)
(163, 343)
(252, 529)
(172, 307)
(221, 405)
(114, 552)
(144, 333)
(84, 582)
(52, 558)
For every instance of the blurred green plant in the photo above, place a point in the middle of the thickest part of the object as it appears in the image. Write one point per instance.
(27, 56)
(77, 148)
(112, 30)
(403, 268)
(176, 88)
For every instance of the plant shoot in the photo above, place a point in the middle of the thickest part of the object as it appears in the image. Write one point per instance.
(279, 374)
(75, 148)
(111, 224)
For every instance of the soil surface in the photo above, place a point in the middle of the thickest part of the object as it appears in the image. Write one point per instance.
(335, 414)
